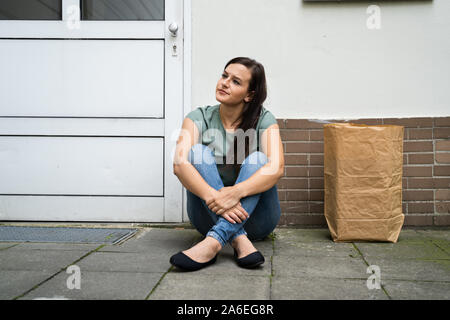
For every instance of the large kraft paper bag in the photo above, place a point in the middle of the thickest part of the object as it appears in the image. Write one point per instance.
(363, 181)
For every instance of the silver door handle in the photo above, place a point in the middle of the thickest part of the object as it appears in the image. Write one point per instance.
(173, 28)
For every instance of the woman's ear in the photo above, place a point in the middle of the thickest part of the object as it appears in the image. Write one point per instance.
(249, 97)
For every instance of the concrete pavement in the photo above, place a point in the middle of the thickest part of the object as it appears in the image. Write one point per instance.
(300, 264)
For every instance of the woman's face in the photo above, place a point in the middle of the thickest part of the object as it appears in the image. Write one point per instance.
(232, 87)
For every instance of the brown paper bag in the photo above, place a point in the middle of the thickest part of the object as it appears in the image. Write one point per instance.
(363, 181)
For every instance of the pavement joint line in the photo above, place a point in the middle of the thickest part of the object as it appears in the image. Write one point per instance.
(443, 250)
(54, 275)
(193, 242)
(12, 246)
(272, 272)
(159, 281)
(365, 261)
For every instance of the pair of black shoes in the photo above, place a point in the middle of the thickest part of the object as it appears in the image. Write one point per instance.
(182, 261)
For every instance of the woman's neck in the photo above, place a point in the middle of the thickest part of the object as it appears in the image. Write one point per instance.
(229, 114)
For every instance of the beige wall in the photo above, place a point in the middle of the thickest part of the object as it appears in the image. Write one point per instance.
(321, 60)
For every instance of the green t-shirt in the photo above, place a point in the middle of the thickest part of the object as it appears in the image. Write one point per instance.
(214, 135)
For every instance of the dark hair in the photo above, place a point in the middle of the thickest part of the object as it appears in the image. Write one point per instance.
(250, 114)
(252, 109)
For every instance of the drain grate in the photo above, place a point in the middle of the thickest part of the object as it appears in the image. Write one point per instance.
(64, 234)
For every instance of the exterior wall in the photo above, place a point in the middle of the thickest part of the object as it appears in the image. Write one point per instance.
(322, 62)
(426, 170)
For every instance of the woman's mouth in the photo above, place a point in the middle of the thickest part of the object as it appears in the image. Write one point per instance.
(222, 92)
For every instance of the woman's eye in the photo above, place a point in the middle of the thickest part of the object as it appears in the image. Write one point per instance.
(235, 81)
(224, 75)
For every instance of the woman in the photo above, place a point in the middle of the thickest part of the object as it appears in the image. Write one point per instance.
(231, 201)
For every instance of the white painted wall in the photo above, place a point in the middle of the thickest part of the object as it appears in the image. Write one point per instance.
(321, 60)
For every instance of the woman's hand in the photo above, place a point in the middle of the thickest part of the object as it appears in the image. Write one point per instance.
(224, 199)
(236, 214)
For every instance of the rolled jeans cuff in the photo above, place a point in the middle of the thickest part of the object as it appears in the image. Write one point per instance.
(216, 236)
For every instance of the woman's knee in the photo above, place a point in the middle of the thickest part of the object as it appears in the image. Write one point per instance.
(257, 158)
(200, 153)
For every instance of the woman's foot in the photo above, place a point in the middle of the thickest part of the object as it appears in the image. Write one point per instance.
(204, 251)
(243, 246)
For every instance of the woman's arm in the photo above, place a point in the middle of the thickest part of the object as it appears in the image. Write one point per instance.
(189, 177)
(262, 180)
(268, 175)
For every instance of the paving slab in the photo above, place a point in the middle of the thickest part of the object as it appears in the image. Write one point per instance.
(409, 250)
(14, 283)
(152, 239)
(417, 290)
(226, 286)
(319, 266)
(412, 269)
(307, 288)
(38, 260)
(98, 286)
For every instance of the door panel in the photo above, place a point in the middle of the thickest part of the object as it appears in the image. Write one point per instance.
(82, 78)
(81, 166)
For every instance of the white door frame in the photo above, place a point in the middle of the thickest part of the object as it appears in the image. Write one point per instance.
(176, 80)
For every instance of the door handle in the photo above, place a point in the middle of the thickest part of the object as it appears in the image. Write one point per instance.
(173, 28)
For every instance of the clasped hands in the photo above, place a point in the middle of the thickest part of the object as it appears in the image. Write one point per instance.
(226, 203)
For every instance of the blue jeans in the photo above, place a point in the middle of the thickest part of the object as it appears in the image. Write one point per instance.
(263, 208)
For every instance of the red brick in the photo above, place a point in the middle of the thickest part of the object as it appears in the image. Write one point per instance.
(315, 172)
(296, 171)
(311, 220)
(316, 207)
(443, 207)
(281, 195)
(405, 183)
(405, 158)
(443, 194)
(316, 159)
(441, 183)
(443, 220)
(294, 135)
(316, 183)
(420, 158)
(303, 124)
(421, 207)
(295, 159)
(304, 147)
(442, 122)
(441, 170)
(441, 133)
(422, 171)
(417, 195)
(316, 195)
(419, 134)
(316, 135)
(442, 145)
(418, 220)
(294, 207)
(297, 195)
(281, 123)
(410, 122)
(417, 146)
(442, 157)
(420, 183)
(293, 183)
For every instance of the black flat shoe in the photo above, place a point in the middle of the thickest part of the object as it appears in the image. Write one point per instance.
(250, 261)
(182, 261)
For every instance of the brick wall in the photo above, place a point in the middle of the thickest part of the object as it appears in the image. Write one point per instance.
(426, 170)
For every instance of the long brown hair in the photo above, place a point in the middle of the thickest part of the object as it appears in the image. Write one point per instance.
(252, 109)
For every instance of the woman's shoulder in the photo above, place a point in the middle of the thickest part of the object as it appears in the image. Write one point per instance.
(266, 119)
(202, 113)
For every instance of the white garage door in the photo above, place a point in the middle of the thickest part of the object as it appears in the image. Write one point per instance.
(90, 95)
